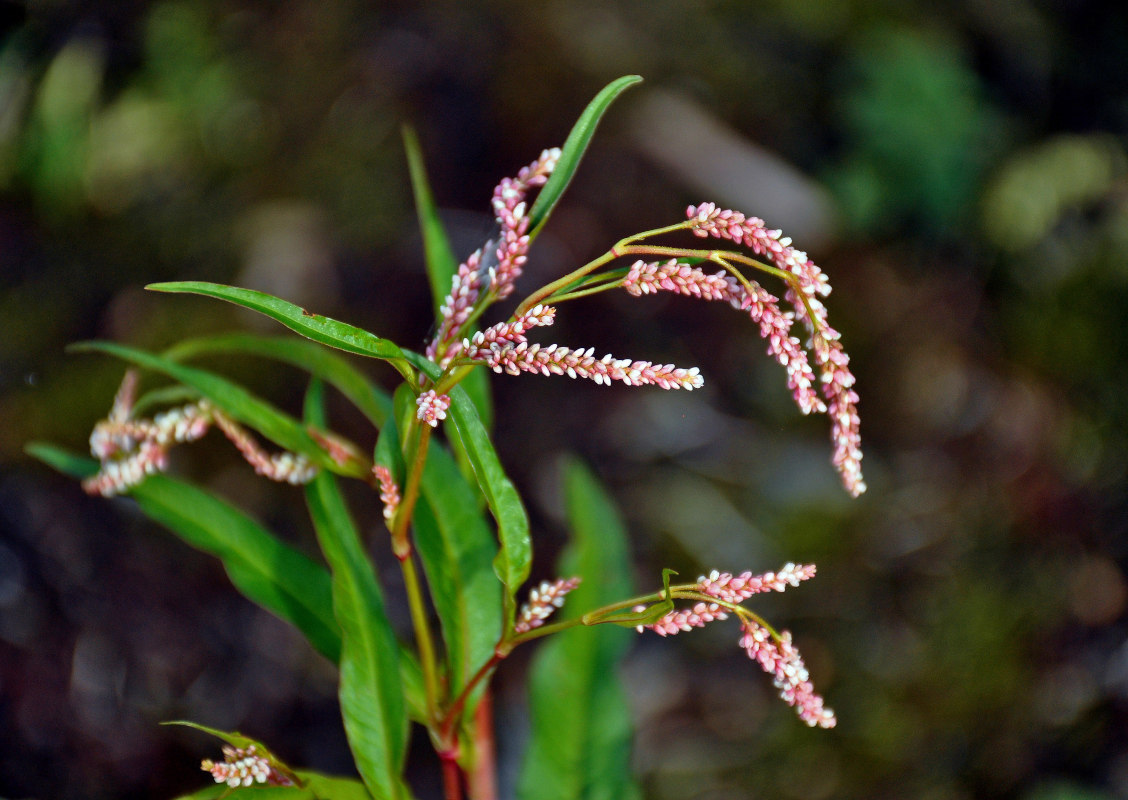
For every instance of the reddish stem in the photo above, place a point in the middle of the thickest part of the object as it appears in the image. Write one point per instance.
(452, 775)
(482, 779)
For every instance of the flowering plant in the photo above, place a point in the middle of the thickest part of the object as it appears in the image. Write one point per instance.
(448, 506)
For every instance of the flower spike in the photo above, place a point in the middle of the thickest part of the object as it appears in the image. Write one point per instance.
(720, 593)
(543, 602)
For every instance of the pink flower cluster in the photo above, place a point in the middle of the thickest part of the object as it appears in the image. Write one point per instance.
(808, 285)
(543, 602)
(284, 467)
(477, 274)
(779, 658)
(504, 348)
(738, 588)
(775, 654)
(684, 619)
(775, 326)
(129, 450)
(432, 407)
(389, 492)
(244, 767)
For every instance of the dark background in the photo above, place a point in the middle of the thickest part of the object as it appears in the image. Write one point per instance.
(958, 169)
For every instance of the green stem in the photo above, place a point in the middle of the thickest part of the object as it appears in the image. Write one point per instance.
(419, 437)
(423, 641)
(548, 289)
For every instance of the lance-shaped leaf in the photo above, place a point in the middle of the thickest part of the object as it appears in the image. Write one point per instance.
(371, 692)
(437, 252)
(516, 552)
(237, 403)
(573, 152)
(321, 329)
(457, 548)
(362, 392)
(581, 731)
(272, 574)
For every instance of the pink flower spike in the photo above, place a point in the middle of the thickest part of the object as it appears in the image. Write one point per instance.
(736, 589)
(244, 767)
(557, 360)
(775, 326)
(507, 332)
(123, 400)
(543, 601)
(643, 278)
(780, 659)
(809, 286)
(123, 474)
(389, 492)
(685, 619)
(283, 467)
(432, 407)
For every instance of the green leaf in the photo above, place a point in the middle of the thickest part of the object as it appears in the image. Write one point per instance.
(457, 548)
(441, 261)
(313, 326)
(272, 574)
(372, 401)
(315, 786)
(573, 152)
(477, 386)
(581, 729)
(63, 461)
(516, 553)
(238, 740)
(236, 402)
(371, 693)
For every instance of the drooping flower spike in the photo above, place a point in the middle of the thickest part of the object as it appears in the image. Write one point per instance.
(775, 326)
(806, 288)
(129, 450)
(776, 654)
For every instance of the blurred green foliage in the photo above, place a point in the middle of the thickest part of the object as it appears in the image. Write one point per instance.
(969, 616)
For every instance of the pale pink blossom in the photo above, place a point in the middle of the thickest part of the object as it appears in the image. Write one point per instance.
(507, 332)
(672, 276)
(754, 234)
(284, 467)
(686, 619)
(122, 474)
(243, 767)
(809, 286)
(456, 309)
(123, 400)
(737, 588)
(780, 659)
(557, 360)
(497, 271)
(842, 407)
(760, 305)
(543, 602)
(432, 407)
(389, 492)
